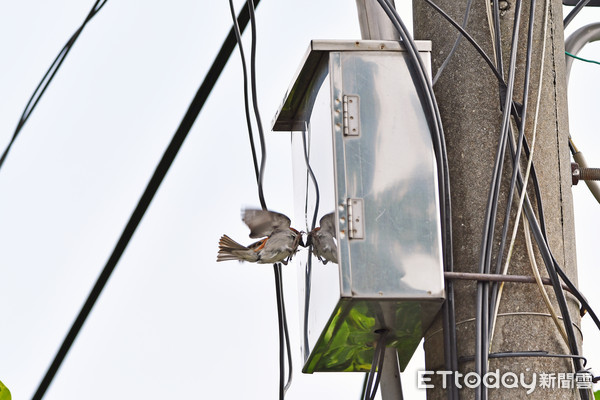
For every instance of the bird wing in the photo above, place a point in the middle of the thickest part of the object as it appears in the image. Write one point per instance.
(327, 223)
(262, 223)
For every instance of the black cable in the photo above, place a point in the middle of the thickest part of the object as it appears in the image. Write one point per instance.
(578, 295)
(284, 335)
(466, 35)
(159, 173)
(363, 392)
(539, 232)
(286, 332)
(310, 172)
(553, 275)
(238, 37)
(578, 7)
(528, 209)
(277, 271)
(497, 37)
(456, 43)
(263, 150)
(308, 270)
(48, 76)
(372, 384)
(282, 317)
(283, 329)
(538, 353)
(516, 157)
(482, 296)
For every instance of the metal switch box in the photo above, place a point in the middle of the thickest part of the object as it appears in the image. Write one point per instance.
(358, 128)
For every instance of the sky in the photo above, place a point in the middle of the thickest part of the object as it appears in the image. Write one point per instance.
(171, 322)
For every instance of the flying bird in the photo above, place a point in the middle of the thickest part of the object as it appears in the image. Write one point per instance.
(322, 240)
(279, 245)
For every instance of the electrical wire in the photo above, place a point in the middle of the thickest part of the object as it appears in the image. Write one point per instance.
(159, 174)
(578, 7)
(581, 59)
(48, 76)
(538, 279)
(277, 271)
(308, 270)
(489, 18)
(497, 289)
(546, 254)
(482, 296)
(470, 39)
(284, 341)
(537, 228)
(261, 134)
(456, 43)
(540, 238)
(372, 382)
(284, 336)
(238, 37)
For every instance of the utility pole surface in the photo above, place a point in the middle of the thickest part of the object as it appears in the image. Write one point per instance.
(469, 100)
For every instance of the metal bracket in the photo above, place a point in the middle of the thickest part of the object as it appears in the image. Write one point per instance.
(356, 221)
(351, 115)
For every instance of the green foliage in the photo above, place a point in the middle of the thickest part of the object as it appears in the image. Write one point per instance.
(4, 392)
(597, 395)
(349, 340)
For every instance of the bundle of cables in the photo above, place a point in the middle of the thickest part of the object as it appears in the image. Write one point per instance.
(284, 339)
(488, 294)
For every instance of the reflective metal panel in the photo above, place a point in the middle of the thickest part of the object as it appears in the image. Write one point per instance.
(391, 167)
(363, 136)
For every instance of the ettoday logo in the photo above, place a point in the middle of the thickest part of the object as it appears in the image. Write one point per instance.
(495, 380)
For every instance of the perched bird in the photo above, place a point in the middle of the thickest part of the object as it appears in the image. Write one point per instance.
(322, 240)
(280, 244)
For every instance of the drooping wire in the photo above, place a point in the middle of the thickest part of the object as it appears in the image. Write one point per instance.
(238, 38)
(534, 178)
(578, 7)
(284, 336)
(538, 228)
(261, 134)
(159, 174)
(284, 342)
(308, 270)
(469, 38)
(529, 211)
(456, 43)
(48, 76)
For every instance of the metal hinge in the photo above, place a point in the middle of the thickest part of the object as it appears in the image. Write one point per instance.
(356, 222)
(351, 115)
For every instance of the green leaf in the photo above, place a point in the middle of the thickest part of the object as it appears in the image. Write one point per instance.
(597, 395)
(4, 392)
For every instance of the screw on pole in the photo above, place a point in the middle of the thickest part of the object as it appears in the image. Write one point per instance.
(579, 173)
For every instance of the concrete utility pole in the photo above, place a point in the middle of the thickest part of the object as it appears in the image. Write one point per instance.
(468, 98)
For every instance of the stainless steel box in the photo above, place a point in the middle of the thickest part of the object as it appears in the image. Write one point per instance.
(360, 126)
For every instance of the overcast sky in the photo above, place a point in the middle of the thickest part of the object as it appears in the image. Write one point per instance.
(171, 323)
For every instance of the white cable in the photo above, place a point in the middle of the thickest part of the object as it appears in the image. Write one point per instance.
(540, 284)
(529, 162)
(488, 12)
